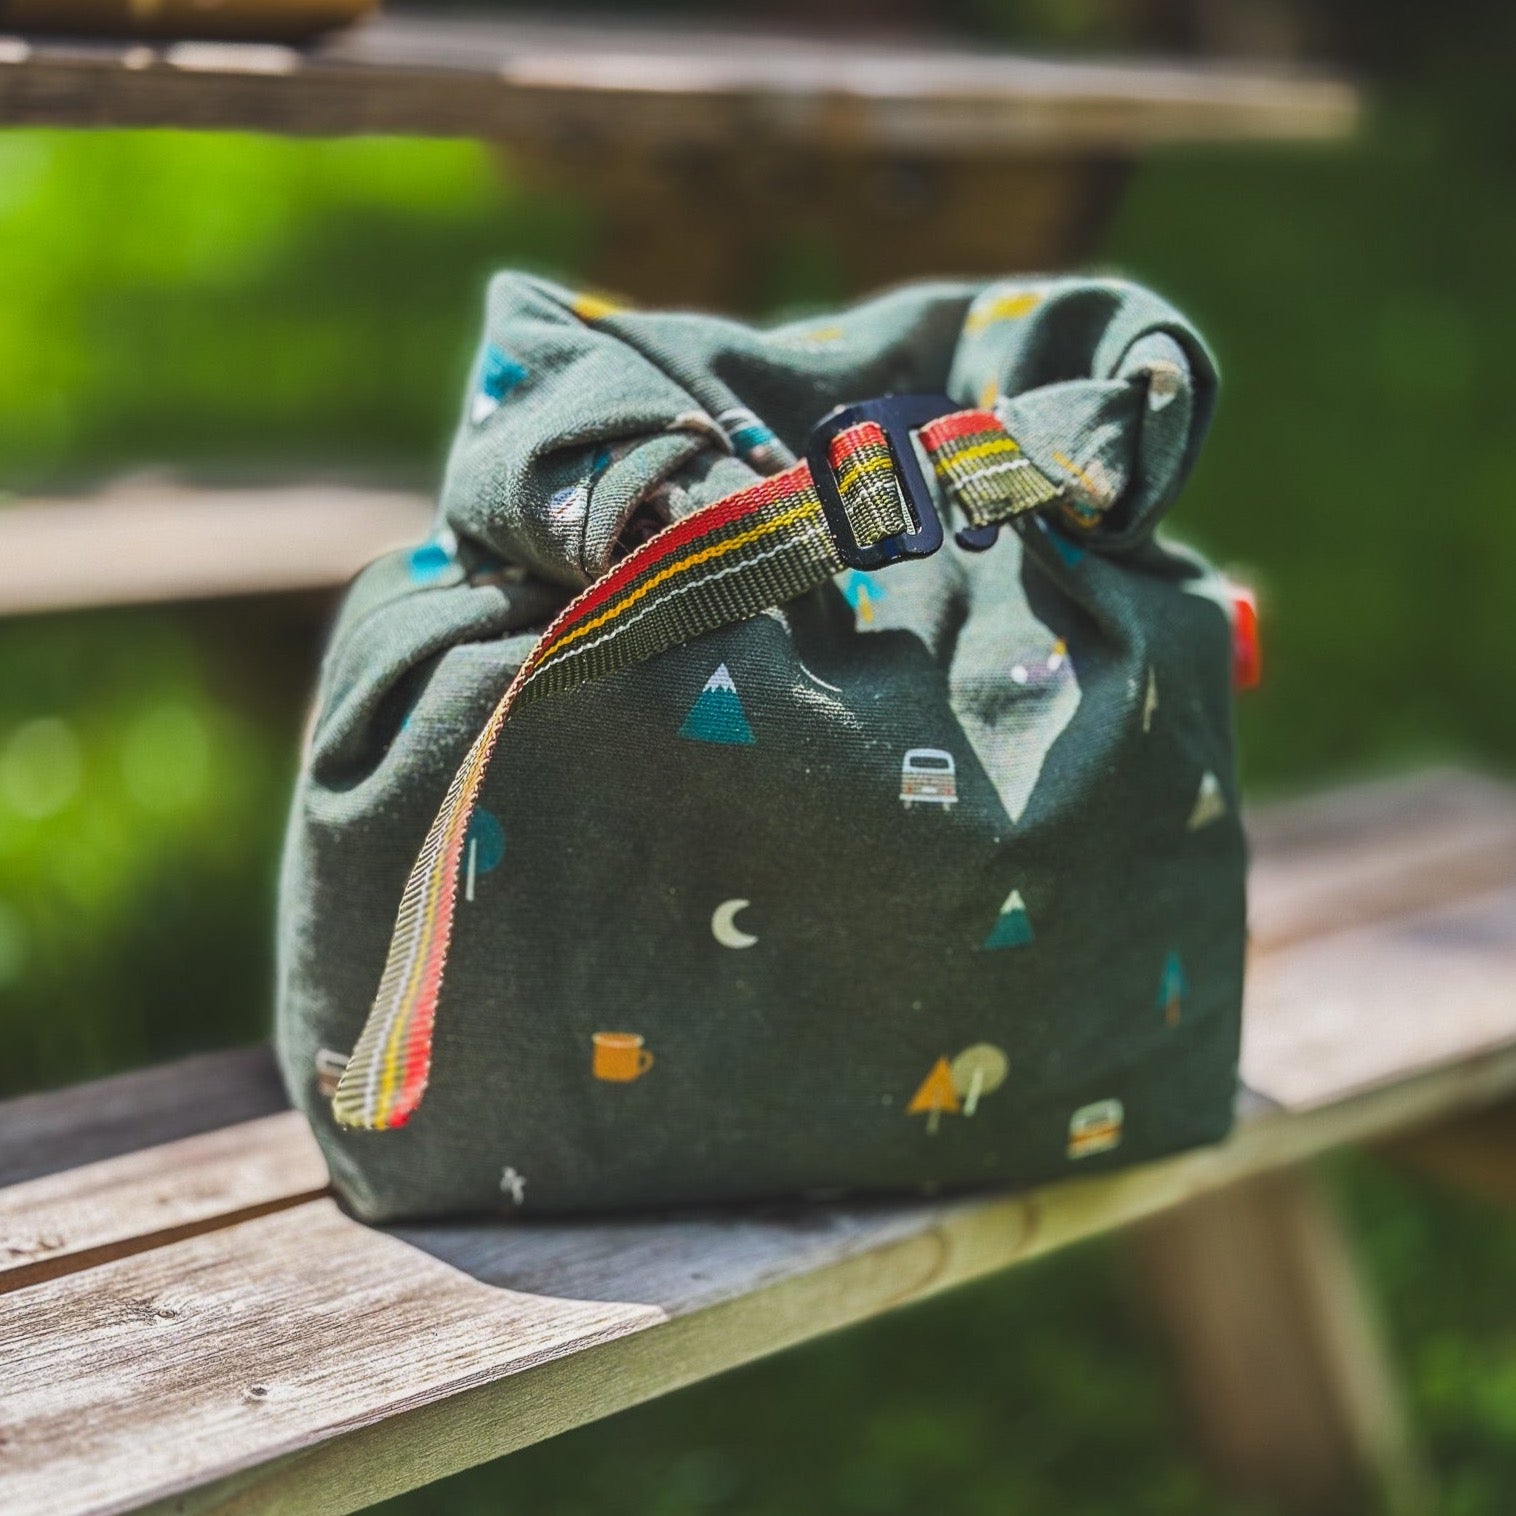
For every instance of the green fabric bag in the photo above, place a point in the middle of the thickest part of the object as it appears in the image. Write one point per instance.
(825, 867)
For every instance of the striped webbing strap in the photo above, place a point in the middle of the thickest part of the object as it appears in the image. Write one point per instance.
(725, 563)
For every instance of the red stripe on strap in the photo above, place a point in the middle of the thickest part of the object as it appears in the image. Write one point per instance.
(856, 439)
(672, 539)
(960, 424)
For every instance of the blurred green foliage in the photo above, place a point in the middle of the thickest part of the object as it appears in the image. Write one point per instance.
(240, 306)
(225, 300)
(130, 797)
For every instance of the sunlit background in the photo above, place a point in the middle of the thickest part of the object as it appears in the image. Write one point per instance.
(237, 308)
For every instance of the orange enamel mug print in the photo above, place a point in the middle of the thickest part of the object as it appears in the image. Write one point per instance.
(620, 1057)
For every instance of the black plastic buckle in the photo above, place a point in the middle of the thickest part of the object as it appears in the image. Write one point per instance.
(897, 416)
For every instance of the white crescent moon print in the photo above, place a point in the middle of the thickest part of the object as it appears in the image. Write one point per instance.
(724, 926)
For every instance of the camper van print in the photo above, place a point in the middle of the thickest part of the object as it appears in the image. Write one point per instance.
(1095, 1128)
(928, 776)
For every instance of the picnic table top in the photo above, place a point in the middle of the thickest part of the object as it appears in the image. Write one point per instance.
(615, 84)
(186, 1318)
(147, 541)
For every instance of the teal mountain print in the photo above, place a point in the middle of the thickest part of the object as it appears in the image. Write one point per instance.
(717, 714)
(1013, 927)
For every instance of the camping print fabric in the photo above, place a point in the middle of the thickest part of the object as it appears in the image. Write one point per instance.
(434, 560)
(752, 440)
(863, 592)
(1210, 803)
(499, 374)
(955, 1088)
(484, 847)
(1012, 721)
(925, 877)
(1013, 927)
(717, 714)
(1171, 990)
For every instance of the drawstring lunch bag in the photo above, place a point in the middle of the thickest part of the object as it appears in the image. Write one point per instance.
(794, 765)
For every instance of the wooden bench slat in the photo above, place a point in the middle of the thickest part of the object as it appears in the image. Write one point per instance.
(344, 1327)
(1392, 847)
(1376, 1004)
(608, 86)
(65, 1129)
(1298, 1051)
(140, 544)
(300, 1358)
(84, 1216)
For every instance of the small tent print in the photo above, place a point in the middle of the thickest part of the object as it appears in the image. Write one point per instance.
(1013, 927)
(717, 714)
(1210, 803)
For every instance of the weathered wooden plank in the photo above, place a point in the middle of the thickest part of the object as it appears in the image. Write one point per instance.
(208, 1357)
(83, 1217)
(1299, 1050)
(1379, 1003)
(65, 1129)
(327, 1350)
(1368, 851)
(144, 543)
(546, 82)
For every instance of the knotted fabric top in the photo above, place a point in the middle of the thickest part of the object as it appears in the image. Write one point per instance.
(588, 423)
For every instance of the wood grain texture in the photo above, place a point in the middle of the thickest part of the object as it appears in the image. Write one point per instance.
(298, 1361)
(65, 1129)
(543, 81)
(1436, 977)
(441, 1339)
(143, 543)
(1350, 855)
(1376, 1004)
(84, 1216)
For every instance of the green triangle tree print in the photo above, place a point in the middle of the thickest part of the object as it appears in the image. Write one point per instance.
(1013, 927)
(717, 714)
(1172, 990)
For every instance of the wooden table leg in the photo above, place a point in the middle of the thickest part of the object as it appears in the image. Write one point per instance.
(1279, 1357)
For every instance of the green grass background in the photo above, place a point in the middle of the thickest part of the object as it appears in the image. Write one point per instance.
(232, 306)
